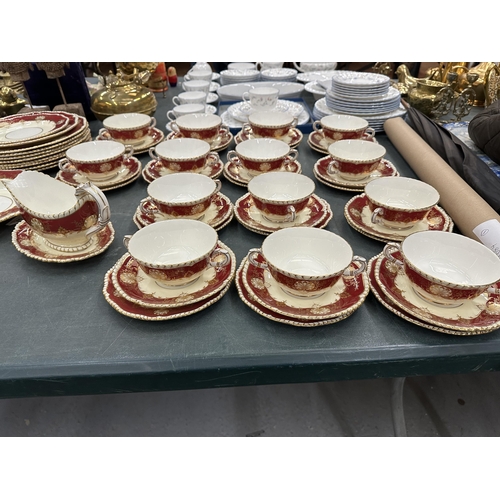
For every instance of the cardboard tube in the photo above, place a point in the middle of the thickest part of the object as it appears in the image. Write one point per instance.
(467, 209)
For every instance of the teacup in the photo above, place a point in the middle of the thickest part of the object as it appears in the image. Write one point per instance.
(258, 156)
(199, 74)
(183, 195)
(128, 128)
(66, 217)
(281, 196)
(183, 154)
(261, 98)
(446, 269)
(184, 109)
(268, 65)
(306, 262)
(205, 126)
(355, 159)
(96, 160)
(274, 124)
(399, 202)
(193, 97)
(175, 253)
(196, 86)
(241, 65)
(341, 127)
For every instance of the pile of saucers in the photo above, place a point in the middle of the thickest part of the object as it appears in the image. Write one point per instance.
(278, 75)
(229, 76)
(38, 140)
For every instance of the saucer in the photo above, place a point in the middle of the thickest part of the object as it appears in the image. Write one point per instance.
(218, 213)
(343, 298)
(241, 177)
(154, 137)
(335, 181)
(272, 315)
(136, 286)
(8, 207)
(222, 142)
(317, 141)
(293, 137)
(358, 215)
(31, 244)
(211, 97)
(472, 317)
(152, 171)
(314, 215)
(129, 172)
(127, 308)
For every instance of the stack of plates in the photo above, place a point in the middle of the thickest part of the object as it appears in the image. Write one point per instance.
(235, 91)
(278, 75)
(360, 84)
(384, 103)
(229, 76)
(311, 76)
(38, 140)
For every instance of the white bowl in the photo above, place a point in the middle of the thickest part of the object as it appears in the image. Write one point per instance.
(356, 150)
(182, 149)
(127, 121)
(183, 188)
(262, 149)
(281, 187)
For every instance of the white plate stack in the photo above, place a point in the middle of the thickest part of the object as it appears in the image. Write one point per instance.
(278, 75)
(230, 76)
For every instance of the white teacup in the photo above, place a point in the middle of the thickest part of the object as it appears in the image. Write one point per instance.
(196, 86)
(281, 196)
(198, 74)
(205, 126)
(271, 124)
(128, 128)
(193, 97)
(262, 98)
(184, 109)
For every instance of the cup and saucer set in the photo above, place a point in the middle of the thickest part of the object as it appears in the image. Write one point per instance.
(258, 156)
(277, 200)
(290, 280)
(439, 280)
(60, 223)
(272, 125)
(183, 154)
(352, 164)
(185, 195)
(106, 164)
(333, 128)
(204, 126)
(392, 208)
(131, 129)
(172, 269)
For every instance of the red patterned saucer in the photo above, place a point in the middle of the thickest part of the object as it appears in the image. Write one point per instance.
(473, 317)
(8, 207)
(154, 137)
(239, 175)
(314, 215)
(154, 170)
(320, 172)
(272, 315)
(129, 172)
(293, 138)
(343, 298)
(222, 142)
(133, 284)
(317, 141)
(358, 215)
(219, 211)
(32, 245)
(127, 308)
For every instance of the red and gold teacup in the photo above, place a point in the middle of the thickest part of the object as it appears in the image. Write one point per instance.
(128, 128)
(204, 126)
(355, 159)
(306, 261)
(183, 154)
(270, 124)
(183, 195)
(96, 160)
(258, 156)
(175, 253)
(446, 269)
(399, 202)
(281, 196)
(340, 127)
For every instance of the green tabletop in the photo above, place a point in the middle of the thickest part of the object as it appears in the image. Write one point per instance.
(58, 335)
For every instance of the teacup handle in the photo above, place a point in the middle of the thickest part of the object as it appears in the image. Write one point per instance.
(292, 156)
(176, 101)
(66, 166)
(388, 254)
(218, 186)
(354, 272)
(148, 211)
(126, 240)
(212, 159)
(129, 151)
(175, 127)
(369, 133)
(317, 126)
(247, 128)
(377, 213)
(152, 154)
(295, 122)
(171, 115)
(332, 168)
(246, 97)
(104, 134)
(152, 123)
(292, 213)
(223, 130)
(252, 257)
(233, 157)
(104, 215)
(216, 253)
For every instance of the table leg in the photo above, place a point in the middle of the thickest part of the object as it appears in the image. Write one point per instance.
(398, 415)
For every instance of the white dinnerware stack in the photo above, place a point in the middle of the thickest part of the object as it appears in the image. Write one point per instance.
(230, 76)
(278, 75)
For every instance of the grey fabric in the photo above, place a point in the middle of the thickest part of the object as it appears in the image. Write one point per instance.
(484, 130)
